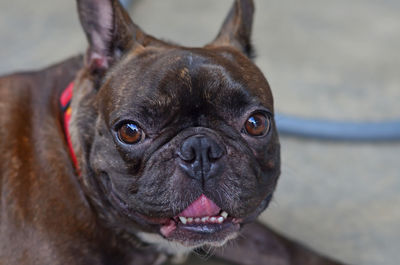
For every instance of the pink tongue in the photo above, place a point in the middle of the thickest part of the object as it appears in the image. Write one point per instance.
(203, 206)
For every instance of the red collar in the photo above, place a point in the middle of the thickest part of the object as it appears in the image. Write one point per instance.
(65, 101)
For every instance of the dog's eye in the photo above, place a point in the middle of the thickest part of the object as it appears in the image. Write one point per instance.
(257, 124)
(130, 133)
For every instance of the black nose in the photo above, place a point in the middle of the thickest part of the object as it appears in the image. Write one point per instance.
(200, 157)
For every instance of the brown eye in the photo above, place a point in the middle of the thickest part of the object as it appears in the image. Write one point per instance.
(257, 124)
(130, 133)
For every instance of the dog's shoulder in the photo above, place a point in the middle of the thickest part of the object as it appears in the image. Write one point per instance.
(36, 179)
(22, 92)
(30, 109)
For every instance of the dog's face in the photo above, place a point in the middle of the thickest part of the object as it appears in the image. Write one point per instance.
(173, 141)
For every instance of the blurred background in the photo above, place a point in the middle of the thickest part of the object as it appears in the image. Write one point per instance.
(324, 59)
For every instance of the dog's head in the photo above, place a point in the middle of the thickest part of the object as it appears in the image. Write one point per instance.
(173, 141)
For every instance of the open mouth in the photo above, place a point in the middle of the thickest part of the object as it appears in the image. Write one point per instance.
(201, 221)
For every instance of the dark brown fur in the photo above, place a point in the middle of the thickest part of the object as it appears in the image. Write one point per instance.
(49, 215)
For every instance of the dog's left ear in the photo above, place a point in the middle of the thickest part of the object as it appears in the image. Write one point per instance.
(236, 29)
(110, 32)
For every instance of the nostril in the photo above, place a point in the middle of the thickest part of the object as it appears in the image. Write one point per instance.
(215, 152)
(190, 149)
(187, 154)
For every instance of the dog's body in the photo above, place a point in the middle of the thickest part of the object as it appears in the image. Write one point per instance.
(166, 138)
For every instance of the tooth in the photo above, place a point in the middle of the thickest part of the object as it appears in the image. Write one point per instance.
(183, 219)
(190, 219)
(205, 219)
(224, 214)
(213, 219)
(197, 220)
(220, 219)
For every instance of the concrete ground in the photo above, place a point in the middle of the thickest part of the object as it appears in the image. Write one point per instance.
(336, 59)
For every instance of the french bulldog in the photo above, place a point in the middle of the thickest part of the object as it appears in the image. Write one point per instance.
(142, 151)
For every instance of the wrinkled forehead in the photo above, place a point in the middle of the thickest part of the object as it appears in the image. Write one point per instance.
(195, 79)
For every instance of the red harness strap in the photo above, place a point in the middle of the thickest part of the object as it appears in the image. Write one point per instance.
(65, 101)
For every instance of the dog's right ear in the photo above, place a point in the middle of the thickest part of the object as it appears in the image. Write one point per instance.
(110, 33)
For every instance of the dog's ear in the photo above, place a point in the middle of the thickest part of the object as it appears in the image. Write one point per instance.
(109, 30)
(236, 29)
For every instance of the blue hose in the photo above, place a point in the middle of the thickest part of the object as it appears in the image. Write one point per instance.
(338, 130)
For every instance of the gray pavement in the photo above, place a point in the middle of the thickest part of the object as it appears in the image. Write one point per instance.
(336, 59)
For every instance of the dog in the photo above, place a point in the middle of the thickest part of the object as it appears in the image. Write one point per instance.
(142, 151)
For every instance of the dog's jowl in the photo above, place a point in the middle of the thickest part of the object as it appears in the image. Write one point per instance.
(141, 151)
